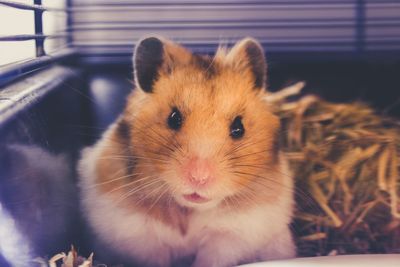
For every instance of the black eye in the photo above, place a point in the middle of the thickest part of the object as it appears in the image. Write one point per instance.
(175, 119)
(237, 129)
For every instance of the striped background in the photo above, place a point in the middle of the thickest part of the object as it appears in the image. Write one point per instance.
(108, 29)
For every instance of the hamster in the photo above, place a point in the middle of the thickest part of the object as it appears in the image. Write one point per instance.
(192, 168)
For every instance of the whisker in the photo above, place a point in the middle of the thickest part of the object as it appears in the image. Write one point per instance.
(244, 145)
(131, 184)
(162, 137)
(247, 155)
(159, 197)
(134, 157)
(264, 178)
(113, 180)
(264, 167)
(136, 189)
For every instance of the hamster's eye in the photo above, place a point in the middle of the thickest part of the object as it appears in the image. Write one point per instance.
(237, 128)
(175, 119)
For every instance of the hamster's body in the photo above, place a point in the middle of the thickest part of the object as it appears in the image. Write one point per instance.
(192, 169)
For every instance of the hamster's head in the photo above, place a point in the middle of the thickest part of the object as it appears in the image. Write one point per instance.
(200, 128)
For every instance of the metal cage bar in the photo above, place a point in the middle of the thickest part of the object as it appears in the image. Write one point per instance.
(13, 71)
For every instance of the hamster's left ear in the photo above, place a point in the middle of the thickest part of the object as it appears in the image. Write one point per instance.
(247, 56)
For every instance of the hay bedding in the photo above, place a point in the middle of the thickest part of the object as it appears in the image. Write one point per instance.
(346, 164)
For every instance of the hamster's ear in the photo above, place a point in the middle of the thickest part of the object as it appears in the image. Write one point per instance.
(147, 61)
(153, 57)
(247, 56)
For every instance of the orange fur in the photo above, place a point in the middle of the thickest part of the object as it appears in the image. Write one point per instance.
(210, 93)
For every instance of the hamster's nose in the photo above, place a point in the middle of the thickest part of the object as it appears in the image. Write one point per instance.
(198, 172)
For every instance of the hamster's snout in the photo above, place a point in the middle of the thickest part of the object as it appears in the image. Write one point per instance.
(198, 172)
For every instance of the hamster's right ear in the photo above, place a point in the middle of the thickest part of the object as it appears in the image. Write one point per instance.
(147, 61)
(153, 57)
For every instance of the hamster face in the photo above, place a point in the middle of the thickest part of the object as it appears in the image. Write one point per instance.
(199, 130)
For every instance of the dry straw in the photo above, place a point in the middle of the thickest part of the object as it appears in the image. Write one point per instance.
(346, 163)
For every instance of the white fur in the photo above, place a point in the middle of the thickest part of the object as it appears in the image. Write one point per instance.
(217, 239)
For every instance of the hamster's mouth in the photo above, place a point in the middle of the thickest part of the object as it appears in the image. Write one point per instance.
(195, 198)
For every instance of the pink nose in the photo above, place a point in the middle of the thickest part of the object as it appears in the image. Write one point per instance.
(198, 172)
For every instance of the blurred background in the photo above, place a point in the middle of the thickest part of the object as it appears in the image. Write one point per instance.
(65, 70)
